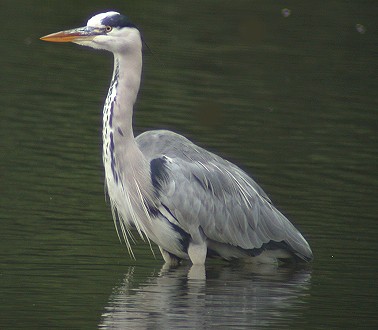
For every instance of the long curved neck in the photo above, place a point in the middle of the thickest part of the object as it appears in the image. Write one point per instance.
(120, 151)
(122, 94)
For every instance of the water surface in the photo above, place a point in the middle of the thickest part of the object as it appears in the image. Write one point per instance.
(285, 90)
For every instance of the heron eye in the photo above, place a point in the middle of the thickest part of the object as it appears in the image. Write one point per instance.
(108, 28)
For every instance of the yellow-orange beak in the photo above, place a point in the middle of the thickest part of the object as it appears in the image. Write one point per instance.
(73, 35)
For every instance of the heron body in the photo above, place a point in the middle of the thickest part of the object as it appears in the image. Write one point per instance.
(192, 203)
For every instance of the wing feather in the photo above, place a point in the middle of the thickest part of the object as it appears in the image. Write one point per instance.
(205, 191)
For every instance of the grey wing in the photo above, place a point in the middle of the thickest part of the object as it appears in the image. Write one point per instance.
(205, 192)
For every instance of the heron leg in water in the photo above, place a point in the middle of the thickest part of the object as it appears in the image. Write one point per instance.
(197, 252)
(169, 258)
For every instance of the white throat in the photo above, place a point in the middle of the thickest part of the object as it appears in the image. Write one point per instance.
(118, 108)
(127, 171)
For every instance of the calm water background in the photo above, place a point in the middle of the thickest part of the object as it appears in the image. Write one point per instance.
(288, 90)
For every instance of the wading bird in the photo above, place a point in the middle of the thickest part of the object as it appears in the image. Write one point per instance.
(192, 203)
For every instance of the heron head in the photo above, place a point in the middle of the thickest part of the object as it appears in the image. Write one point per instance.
(109, 31)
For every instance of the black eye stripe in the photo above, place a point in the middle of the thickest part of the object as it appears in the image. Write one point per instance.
(117, 20)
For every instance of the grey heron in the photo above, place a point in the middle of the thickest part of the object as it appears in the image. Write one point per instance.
(192, 203)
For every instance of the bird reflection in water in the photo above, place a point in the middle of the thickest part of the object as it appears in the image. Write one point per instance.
(230, 295)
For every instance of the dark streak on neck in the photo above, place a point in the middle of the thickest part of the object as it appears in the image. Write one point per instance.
(113, 84)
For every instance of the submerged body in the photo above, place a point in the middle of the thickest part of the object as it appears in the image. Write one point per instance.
(190, 202)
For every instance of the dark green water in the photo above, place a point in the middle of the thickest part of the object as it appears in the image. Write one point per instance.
(288, 90)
